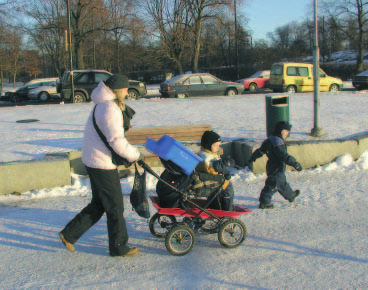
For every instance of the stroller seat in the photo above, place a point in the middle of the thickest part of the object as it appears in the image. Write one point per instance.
(188, 187)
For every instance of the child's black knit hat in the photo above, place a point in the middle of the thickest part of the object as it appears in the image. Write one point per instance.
(282, 125)
(208, 138)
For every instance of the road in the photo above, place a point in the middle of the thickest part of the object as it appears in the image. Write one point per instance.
(152, 92)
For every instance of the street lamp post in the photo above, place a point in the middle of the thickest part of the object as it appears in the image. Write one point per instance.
(236, 41)
(316, 131)
(70, 51)
(93, 32)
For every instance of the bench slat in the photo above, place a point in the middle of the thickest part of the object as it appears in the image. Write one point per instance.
(180, 133)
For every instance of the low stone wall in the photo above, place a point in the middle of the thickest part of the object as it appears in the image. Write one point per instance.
(308, 153)
(20, 176)
(55, 170)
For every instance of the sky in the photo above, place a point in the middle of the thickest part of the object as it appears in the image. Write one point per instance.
(318, 242)
(266, 15)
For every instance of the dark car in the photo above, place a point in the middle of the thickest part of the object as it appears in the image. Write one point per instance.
(198, 84)
(21, 94)
(85, 81)
(360, 81)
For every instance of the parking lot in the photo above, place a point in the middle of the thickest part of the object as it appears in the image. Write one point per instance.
(153, 92)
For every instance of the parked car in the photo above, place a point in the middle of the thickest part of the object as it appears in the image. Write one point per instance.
(85, 81)
(198, 84)
(21, 94)
(259, 80)
(360, 81)
(298, 77)
(44, 93)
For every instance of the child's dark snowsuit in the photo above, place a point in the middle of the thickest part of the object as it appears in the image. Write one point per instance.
(275, 149)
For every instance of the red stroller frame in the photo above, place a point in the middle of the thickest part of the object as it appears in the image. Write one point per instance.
(197, 218)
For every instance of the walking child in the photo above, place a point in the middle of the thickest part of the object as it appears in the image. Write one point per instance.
(275, 149)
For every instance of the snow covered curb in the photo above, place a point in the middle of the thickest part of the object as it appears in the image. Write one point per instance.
(56, 168)
(309, 153)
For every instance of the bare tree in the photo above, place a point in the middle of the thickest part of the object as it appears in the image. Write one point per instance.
(6, 6)
(343, 11)
(82, 14)
(172, 21)
(49, 30)
(32, 63)
(200, 11)
(12, 41)
(2, 53)
(122, 23)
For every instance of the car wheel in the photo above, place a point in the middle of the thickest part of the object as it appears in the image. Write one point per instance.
(291, 89)
(15, 98)
(43, 96)
(231, 92)
(253, 87)
(79, 97)
(132, 95)
(334, 88)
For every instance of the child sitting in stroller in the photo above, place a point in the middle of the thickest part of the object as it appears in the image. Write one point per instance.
(215, 165)
(205, 181)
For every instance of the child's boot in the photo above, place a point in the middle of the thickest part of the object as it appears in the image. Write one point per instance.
(265, 205)
(296, 194)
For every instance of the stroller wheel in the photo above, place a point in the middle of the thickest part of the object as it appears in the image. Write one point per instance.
(159, 224)
(180, 240)
(232, 233)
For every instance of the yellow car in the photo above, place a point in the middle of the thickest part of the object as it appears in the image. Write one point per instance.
(298, 77)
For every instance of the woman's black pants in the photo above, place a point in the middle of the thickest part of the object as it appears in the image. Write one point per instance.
(107, 198)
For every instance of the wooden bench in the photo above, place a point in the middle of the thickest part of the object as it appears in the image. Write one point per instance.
(191, 133)
(137, 136)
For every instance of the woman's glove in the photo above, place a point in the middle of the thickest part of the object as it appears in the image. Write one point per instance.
(298, 166)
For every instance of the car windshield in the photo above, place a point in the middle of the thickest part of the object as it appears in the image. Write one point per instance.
(363, 74)
(173, 79)
(256, 75)
(34, 85)
(67, 78)
(50, 83)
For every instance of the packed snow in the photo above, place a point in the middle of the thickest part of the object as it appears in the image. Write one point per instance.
(318, 242)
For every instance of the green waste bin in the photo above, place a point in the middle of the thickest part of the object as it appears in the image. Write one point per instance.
(277, 109)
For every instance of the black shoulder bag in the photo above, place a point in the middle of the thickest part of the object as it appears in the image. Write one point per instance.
(116, 158)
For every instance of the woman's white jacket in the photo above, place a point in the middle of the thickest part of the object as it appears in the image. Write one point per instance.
(109, 120)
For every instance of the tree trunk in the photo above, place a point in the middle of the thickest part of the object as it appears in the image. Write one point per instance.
(360, 58)
(15, 72)
(179, 65)
(1, 78)
(197, 44)
(79, 55)
(117, 55)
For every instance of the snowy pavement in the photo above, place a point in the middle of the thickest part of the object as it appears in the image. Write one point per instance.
(318, 242)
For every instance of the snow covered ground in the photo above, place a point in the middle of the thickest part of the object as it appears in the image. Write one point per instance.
(319, 242)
